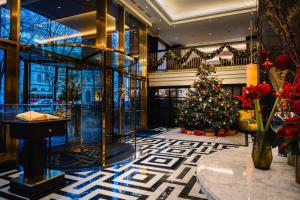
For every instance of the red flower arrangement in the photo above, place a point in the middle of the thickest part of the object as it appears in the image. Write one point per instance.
(254, 92)
(288, 96)
(296, 107)
(289, 134)
(264, 53)
(283, 61)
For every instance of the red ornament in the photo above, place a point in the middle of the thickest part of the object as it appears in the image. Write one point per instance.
(264, 53)
(283, 61)
(267, 64)
(264, 89)
(296, 107)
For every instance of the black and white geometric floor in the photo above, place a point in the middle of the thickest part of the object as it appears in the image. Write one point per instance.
(163, 169)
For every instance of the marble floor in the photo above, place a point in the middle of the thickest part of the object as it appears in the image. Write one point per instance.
(162, 169)
(240, 139)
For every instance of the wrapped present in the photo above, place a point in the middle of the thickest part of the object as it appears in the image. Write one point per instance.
(183, 131)
(209, 132)
(231, 132)
(221, 133)
(190, 132)
(199, 132)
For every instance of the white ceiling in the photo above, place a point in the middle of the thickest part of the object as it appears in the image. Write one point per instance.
(193, 22)
(179, 10)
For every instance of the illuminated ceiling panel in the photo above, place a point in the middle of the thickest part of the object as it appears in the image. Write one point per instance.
(180, 11)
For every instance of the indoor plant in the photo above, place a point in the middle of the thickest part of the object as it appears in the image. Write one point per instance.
(262, 151)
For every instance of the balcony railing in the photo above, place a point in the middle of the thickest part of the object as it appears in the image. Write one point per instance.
(235, 54)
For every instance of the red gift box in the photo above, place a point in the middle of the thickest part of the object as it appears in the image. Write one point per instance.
(198, 132)
(221, 133)
(183, 131)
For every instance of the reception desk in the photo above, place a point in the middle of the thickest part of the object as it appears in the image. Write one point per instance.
(231, 175)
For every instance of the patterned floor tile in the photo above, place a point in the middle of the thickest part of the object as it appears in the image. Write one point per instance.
(163, 169)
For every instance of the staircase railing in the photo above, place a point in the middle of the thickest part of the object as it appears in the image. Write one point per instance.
(229, 54)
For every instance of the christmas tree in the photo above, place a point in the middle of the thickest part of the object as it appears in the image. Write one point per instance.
(208, 105)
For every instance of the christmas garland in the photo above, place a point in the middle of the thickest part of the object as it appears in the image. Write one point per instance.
(170, 55)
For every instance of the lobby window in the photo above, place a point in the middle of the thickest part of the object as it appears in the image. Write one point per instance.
(4, 20)
(113, 20)
(2, 77)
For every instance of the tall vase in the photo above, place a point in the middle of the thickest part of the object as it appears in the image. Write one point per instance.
(262, 152)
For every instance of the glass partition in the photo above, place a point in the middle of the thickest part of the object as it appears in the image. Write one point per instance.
(2, 71)
(91, 105)
(59, 22)
(113, 28)
(5, 19)
(60, 64)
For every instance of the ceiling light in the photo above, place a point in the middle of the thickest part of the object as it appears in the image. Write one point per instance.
(176, 38)
(58, 7)
(160, 20)
(210, 34)
(146, 7)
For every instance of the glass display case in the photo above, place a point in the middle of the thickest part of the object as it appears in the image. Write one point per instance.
(34, 112)
(32, 124)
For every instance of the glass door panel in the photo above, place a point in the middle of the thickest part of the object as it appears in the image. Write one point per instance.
(73, 91)
(138, 103)
(128, 109)
(91, 106)
(116, 104)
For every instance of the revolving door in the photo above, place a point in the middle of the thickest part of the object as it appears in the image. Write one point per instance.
(88, 79)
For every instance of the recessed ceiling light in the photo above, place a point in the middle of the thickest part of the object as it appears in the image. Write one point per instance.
(146, 7)
(58, 7)
(176, 38)
(210, 34)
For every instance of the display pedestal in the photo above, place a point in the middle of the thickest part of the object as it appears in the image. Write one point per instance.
(36, 179)
(35, 187)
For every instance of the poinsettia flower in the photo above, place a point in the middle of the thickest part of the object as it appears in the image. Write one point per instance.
(246, 103)
(283, 61)
(264, 89)
(287, 89)
(264, 53)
